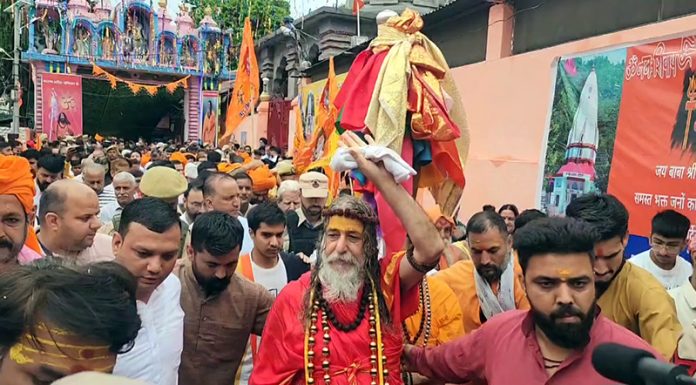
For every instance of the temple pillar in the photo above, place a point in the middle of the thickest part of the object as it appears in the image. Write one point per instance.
(39, 70)
(192, 103)
(501, 23)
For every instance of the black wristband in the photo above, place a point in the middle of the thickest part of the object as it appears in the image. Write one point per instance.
(424, 269)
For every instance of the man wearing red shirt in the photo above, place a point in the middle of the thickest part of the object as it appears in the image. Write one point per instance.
(552, 343)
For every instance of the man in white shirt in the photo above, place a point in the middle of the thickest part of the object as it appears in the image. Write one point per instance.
(93, 175)
(667, 240)
(685, 300)
(221, 193)
(266, 265)
(124, 187)
(148, 245)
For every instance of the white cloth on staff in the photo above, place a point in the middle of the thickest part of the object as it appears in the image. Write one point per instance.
(343, 161)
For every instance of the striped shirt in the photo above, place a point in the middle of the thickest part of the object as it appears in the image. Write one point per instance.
(107, 196)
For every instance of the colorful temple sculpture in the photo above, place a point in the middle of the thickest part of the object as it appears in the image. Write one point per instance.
(133, 42)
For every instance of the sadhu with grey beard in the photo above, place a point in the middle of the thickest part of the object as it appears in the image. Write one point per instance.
(341, 324)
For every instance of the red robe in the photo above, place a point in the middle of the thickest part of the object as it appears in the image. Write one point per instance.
(281, 355)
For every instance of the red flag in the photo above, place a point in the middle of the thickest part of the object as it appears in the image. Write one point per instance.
(357, 6)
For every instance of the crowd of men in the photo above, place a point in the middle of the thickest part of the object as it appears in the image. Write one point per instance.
(167, 264)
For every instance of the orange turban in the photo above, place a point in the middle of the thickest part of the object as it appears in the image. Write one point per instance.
(262, 179)
(16, 179)
(179, 156)
(228, 167)
(435, 213)
(145, 159)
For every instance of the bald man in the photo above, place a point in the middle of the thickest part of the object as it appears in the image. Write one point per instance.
(94, 176)
(69, 220)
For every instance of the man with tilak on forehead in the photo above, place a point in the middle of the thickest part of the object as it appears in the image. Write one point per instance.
(57, 320)
(341, 324)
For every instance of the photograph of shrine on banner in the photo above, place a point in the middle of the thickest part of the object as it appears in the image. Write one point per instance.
(310, 103)
(210, 127)
(61, 114)
(623, 122)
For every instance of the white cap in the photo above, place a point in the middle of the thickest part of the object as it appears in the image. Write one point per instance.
(385, 15)
(191, 170)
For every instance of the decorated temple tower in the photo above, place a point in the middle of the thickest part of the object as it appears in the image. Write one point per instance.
(132, 42)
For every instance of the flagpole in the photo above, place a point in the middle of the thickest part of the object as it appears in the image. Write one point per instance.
(253, 126)
(358, 21)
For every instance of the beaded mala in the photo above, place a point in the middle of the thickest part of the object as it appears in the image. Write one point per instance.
(425, 325)
(328, 313)
(319, 305)
(426, 317)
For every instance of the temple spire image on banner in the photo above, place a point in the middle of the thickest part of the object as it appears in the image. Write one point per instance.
(577, 176)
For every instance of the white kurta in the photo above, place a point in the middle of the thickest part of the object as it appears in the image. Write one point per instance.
(156, 356)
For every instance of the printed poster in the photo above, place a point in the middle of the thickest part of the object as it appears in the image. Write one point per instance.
(209, 117)
(654, 165)
(62, 105)
(309, 105)
(623, 121)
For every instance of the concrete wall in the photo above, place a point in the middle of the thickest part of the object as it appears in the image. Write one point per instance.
(508, 100)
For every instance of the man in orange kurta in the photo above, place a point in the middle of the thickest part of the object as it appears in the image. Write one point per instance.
(343, 321)
(489, 283)
(443, 317)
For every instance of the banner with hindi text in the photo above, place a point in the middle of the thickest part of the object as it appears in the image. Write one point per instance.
(623, 121)
(62, 105)
(654, 165)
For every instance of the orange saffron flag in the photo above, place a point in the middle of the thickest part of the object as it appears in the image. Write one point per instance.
(326, 118)
(246, 86)
(298, 141)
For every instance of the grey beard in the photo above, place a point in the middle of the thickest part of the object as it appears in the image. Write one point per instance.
(339, 286)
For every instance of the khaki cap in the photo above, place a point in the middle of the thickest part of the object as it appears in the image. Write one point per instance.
(314, 185)
(163, 182)
(283, 168)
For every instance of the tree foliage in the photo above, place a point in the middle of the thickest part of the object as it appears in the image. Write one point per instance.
(6, 43)
(266, 16)
(567, 93)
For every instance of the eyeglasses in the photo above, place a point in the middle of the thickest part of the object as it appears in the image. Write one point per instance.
(668, 248)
